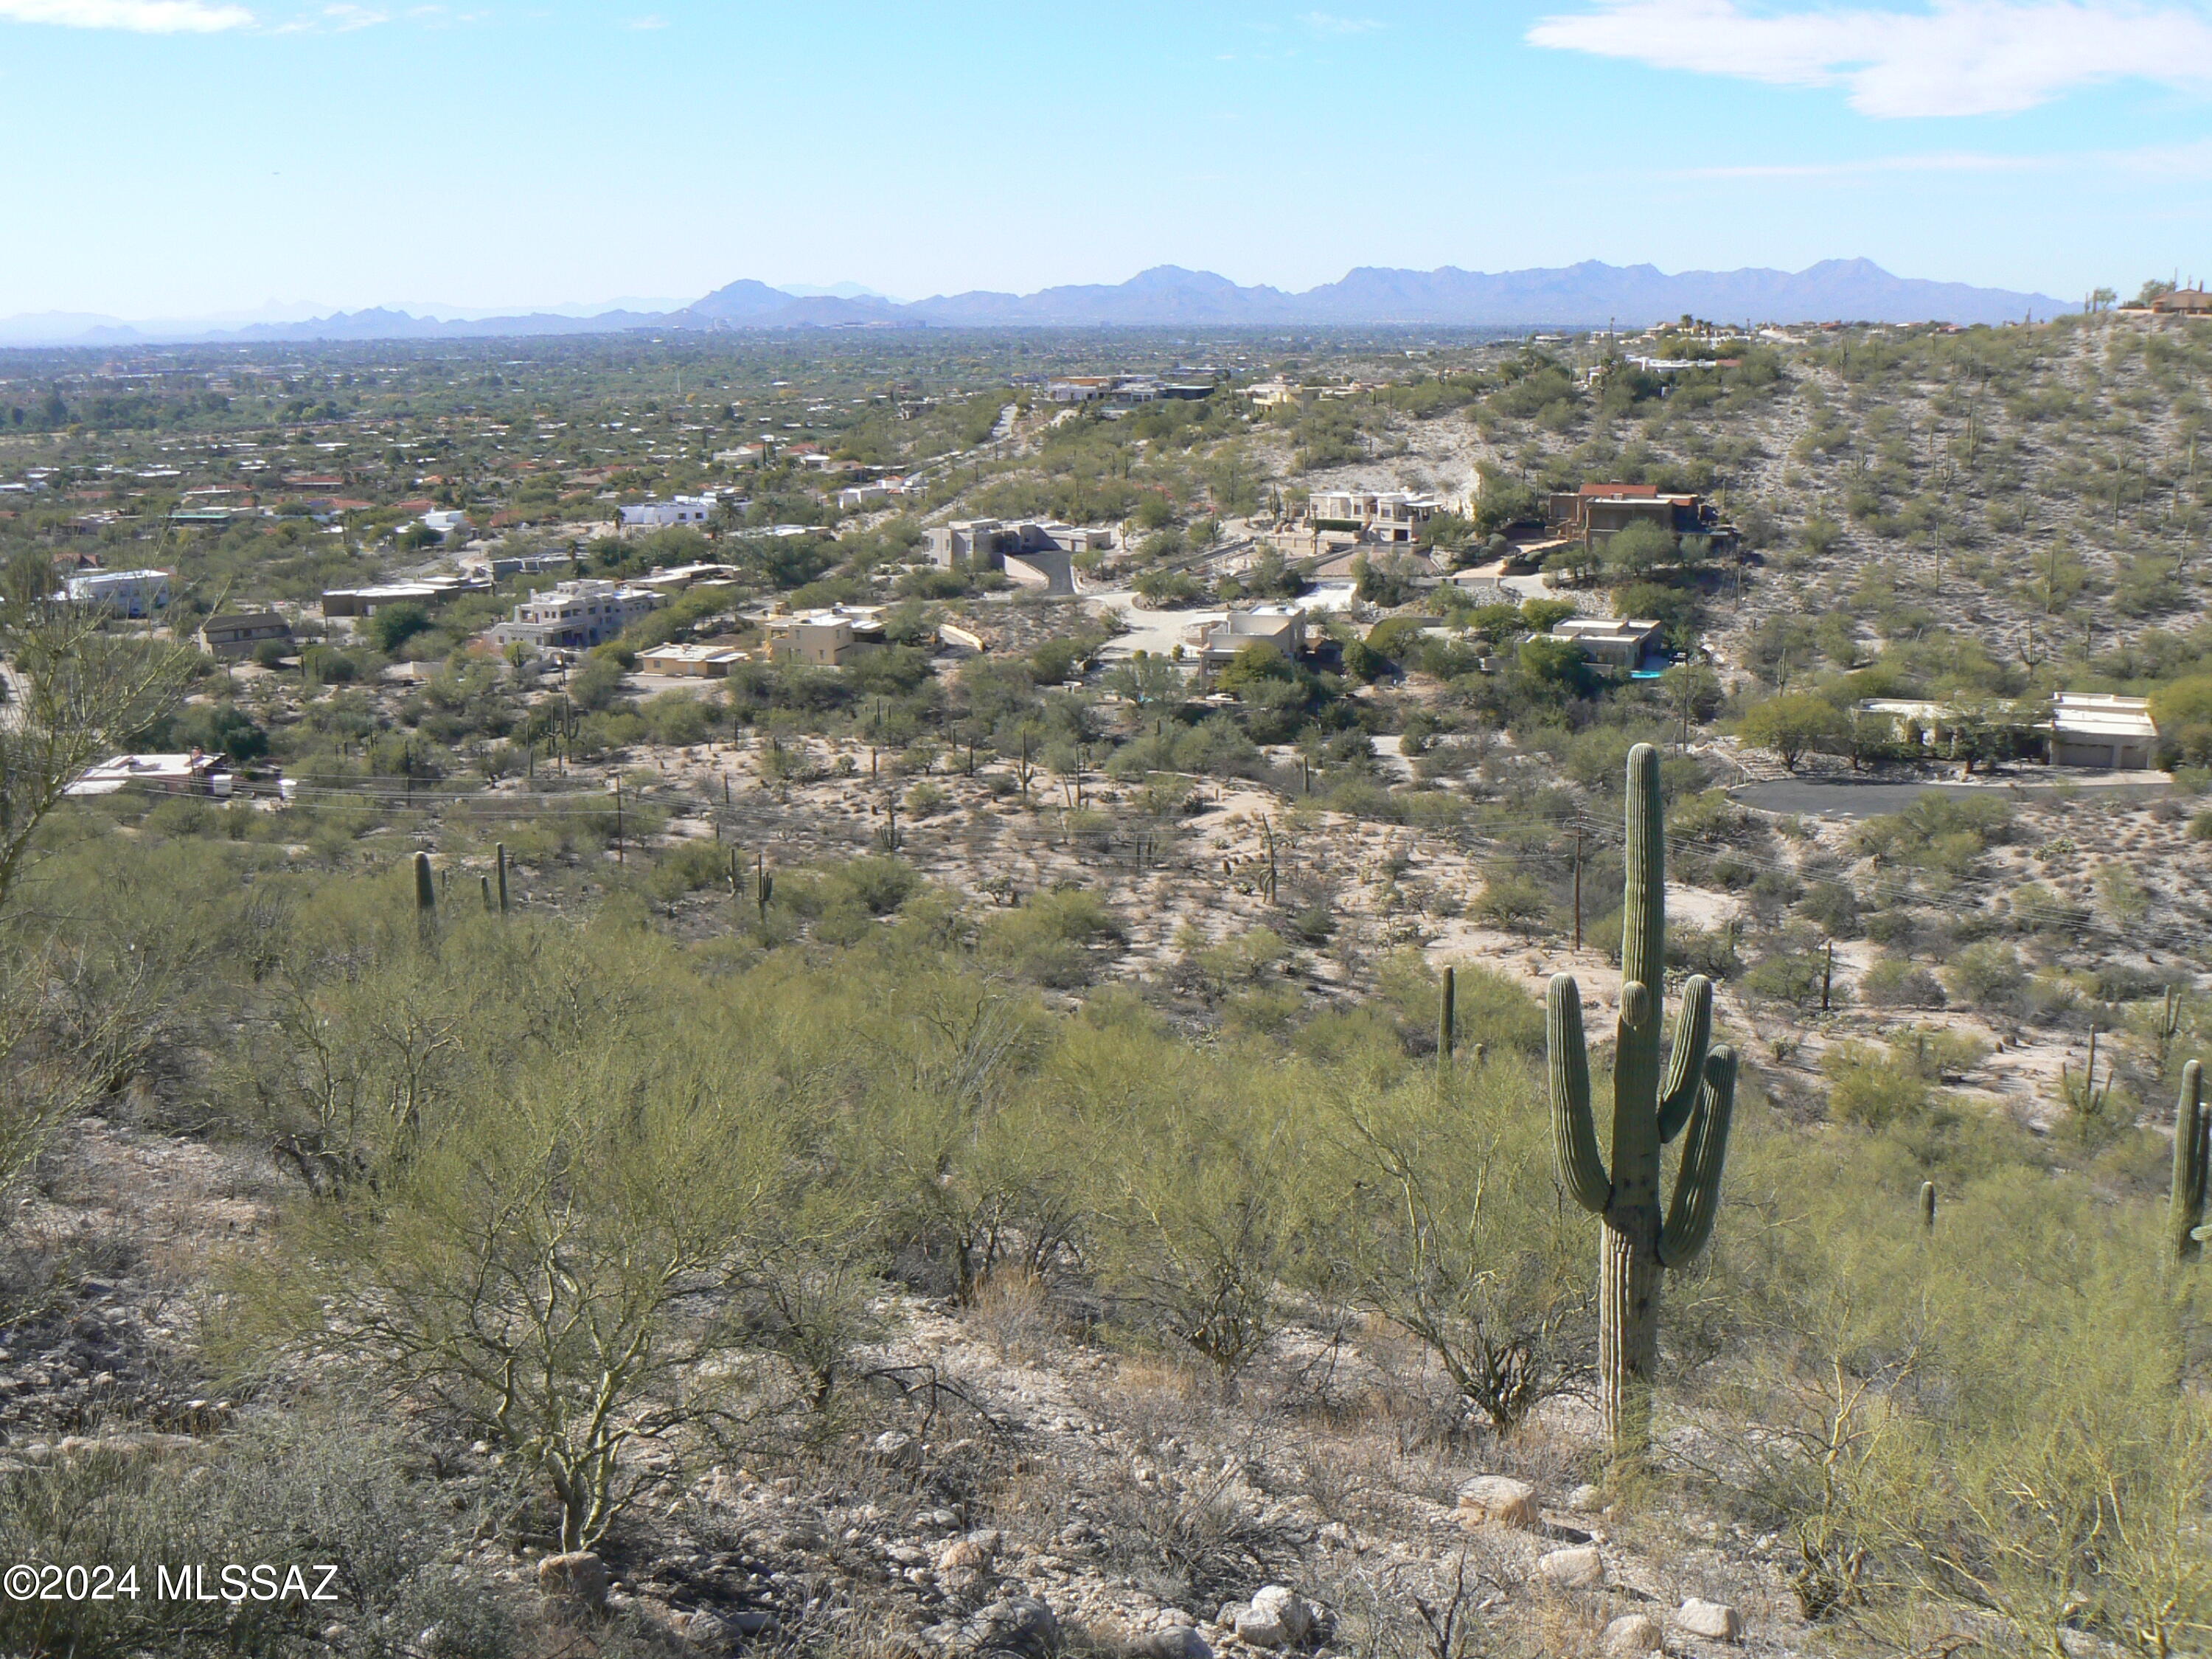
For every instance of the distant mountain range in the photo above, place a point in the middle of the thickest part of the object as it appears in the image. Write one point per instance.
(1587, 294)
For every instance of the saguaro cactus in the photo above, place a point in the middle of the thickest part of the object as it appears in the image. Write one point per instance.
(2192, 1140)
(426, 896)
(500, 859)
(1928, 1205)
(1696, 1092)
(1447, 1023)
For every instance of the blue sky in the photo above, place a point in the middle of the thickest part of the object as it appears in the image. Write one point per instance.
(184, 157)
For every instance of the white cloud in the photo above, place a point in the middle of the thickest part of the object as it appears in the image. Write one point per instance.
(140, 16)
(1959, 57)
(347, 18)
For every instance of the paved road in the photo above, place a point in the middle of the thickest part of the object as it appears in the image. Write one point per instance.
(1839, 798)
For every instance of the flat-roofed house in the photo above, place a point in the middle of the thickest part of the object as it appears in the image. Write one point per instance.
(1597, 511)
(706, 662)
(1618, 642)
(1375, 515)
(429, 591)
(823, 639)
(576, 615)
(666, 515)
(1281, 626)
(126, 593)
(973, 539)
(197, 773)
(2094, 728)
(236, 634)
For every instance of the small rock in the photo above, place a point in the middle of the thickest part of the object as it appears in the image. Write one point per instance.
(1021, 1625)
(577, 1575)
(895, 1447)
(1716, 1621)
(1278, 1617)
(1581, 1568)
(1498, 1500)
(971, 1554)
(1585, 1498)
(1175, 1642)
(750, 1622)
(1632, 1635)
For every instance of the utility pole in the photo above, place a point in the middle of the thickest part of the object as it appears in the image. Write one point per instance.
(1578, 890)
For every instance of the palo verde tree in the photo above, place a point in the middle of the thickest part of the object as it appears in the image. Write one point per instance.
(77, 687)
(1697, 1091)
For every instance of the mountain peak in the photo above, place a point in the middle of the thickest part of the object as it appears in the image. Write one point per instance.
(1589, 294)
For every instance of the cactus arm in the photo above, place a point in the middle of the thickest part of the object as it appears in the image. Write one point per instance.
(2190, 1126)
(1686, 1065)
(1574, 1133)
(1698, 1183)
(1644, 897)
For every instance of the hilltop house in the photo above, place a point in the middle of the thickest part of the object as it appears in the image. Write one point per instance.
(2183, 302)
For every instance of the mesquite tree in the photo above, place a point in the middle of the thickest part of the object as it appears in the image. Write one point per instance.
(1697, 1091)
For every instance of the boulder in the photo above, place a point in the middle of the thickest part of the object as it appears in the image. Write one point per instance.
(1633, 1635)
(1498, 1500)
(1278, 1617)
(1176, 1641)
(1585, 1498)
(579, 1576)
(1579, 1568)
(1715, 1622)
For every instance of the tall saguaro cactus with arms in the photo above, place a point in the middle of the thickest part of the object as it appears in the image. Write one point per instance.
(1652, 1105)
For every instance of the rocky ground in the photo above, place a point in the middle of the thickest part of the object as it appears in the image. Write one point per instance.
(1054, 1496)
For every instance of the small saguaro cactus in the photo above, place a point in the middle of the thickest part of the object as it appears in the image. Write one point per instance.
(1928, 1205)
(2192, 1140)
(1447, 1021)
(498, 862)
(426, 894)
(1696, 1092)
